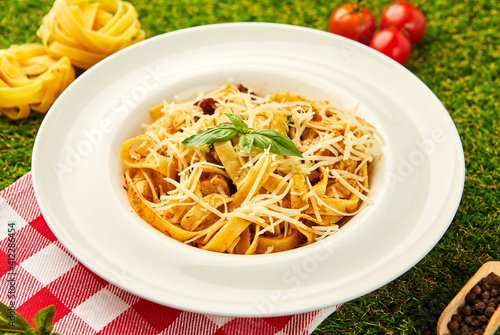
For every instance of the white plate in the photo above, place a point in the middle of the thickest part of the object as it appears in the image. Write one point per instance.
(77, 174)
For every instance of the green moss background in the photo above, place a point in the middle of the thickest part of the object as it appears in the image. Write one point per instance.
(458, 59)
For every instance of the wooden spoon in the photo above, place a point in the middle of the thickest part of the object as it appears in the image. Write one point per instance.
(493, 324)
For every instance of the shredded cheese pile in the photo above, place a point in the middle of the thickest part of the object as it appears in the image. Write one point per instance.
(220, 198)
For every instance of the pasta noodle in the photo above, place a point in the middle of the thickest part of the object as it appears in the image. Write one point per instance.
(222, 197)
(31, 80)
(87, 31)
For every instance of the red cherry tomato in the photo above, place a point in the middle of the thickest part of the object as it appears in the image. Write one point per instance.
(404, 16)
(392, 42)
(351, 21)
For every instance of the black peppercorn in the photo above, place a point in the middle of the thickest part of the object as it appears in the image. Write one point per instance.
(489, 312)
(476, 290)
(453, 325)
(465, 330)
(479, 307)
(486, 286)
(467, 310)
(483, 319)
(470, 296)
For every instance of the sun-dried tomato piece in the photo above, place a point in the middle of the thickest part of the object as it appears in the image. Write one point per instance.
(208, 105)
(242, 88)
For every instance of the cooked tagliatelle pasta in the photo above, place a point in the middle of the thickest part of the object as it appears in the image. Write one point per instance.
(236, 194)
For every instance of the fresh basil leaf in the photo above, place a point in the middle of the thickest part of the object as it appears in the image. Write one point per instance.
(277, 142)
(211, 135)
(238, 123)
(261, 141)
(246, 142)
(6, 322)
(43, 319)
(287, 122)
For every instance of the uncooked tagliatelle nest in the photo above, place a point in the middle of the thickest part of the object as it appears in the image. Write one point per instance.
(87, 31)
(224, 194)
(30, 79)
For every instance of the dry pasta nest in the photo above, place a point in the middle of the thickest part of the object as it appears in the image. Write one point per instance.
(76, 33)
(30, 79)
(222, 198)
(88, 31)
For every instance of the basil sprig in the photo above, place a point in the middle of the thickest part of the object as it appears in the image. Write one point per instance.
(277, 142)
(12, 323)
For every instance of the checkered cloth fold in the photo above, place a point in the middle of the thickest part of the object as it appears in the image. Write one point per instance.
(45, 273)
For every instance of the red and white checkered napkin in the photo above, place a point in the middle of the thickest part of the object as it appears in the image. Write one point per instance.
(46, 274)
